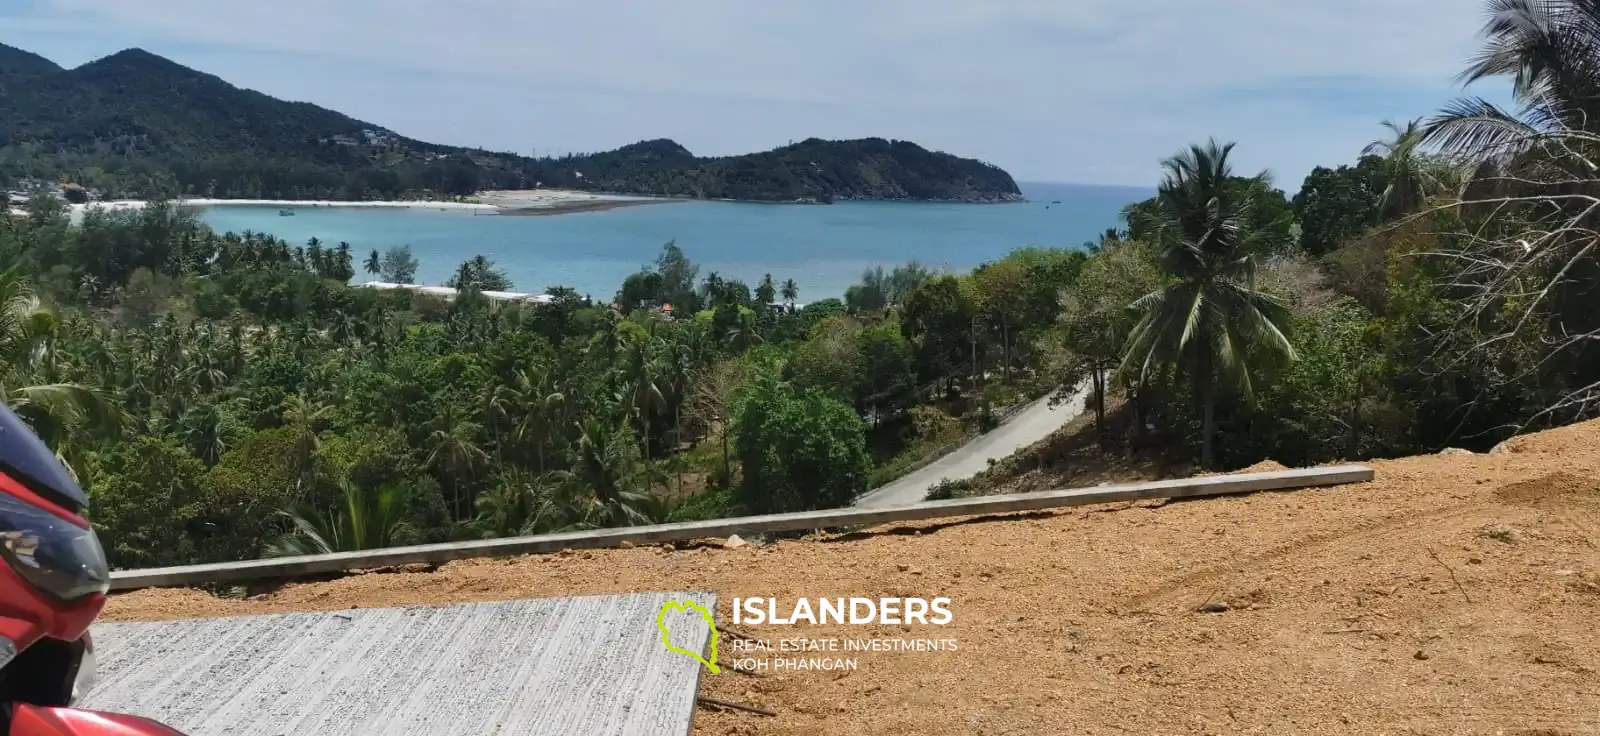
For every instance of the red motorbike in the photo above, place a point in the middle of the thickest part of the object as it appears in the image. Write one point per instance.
(52, 586)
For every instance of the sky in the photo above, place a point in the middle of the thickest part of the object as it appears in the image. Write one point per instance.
(1090, 91)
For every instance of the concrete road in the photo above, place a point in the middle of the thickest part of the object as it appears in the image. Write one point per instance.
(589, 666)
(1029, 426)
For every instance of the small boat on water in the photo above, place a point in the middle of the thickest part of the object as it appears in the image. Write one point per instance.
(286, 213)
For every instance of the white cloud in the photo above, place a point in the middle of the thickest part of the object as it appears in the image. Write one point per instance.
(1087, 90)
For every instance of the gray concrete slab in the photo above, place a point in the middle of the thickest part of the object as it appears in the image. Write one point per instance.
(587, 666)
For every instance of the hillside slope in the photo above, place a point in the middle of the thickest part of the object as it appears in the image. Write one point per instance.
(1454, 594)
(137, 124)
(18, 66)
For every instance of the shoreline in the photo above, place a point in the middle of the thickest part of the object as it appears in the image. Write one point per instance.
(133, 204)
(572, 208)
(518, 203)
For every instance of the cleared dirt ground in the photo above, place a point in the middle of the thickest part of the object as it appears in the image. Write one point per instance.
(1457, 594)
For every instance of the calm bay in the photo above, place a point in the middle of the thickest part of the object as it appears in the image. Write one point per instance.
(823, 248)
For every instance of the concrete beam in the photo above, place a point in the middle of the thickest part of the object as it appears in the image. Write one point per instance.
(292, 567)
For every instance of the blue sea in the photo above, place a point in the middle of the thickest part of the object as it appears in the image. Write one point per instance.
(823, 248)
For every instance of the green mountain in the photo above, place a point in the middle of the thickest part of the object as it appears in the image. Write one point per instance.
(134, 124)
(18, 66)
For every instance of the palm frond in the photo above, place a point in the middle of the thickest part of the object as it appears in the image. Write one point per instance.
(52, 408)
(1476, 126)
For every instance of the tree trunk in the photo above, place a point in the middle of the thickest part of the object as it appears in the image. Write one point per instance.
(1206, 393)
(1354, 447)
(677, 435)
(1005, 348)
(455, 487)
(977, 375)
(644, 436)
(1099, 378)
(1140, 412)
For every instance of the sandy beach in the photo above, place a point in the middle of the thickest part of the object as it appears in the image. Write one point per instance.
(558, 201)
(507, 202)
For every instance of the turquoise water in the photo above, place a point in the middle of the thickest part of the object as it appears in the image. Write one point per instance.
(823, 248)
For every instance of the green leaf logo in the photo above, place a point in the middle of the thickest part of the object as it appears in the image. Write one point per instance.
(711, 623)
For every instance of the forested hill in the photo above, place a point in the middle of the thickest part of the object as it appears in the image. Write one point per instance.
(134, 124)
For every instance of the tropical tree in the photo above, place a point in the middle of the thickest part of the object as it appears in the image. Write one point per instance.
(399, 266)
(798, 450)
(1528, 269)
(302, 416)
(521, 504)
(766, 292)
(745, 330)
(479, 274)
(1338, 205)
(454, 448)
(28, 336)
(643, 375)
(1210, 323)
(1550, 51)
(541, 408)
(364, 519)
(1095, 321)
(1411, 177)
(602, 463)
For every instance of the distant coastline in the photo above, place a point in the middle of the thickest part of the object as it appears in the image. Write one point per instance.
(572, 208)
(513, 202)
(531, 202)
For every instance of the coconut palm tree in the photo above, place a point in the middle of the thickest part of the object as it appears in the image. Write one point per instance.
(366, 519)
(1550, 50)
(745, 332)
(204, 432)
(1412, 176)
(494, 406)
(453, 447)
(766, 291)
(541, 407)
(54, 410)
(523, 503)
(1210, 322)
(790, 292)
(302, 416)
(644, 375)
(602, 459)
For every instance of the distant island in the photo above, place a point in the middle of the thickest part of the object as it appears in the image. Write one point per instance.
(136, 125)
